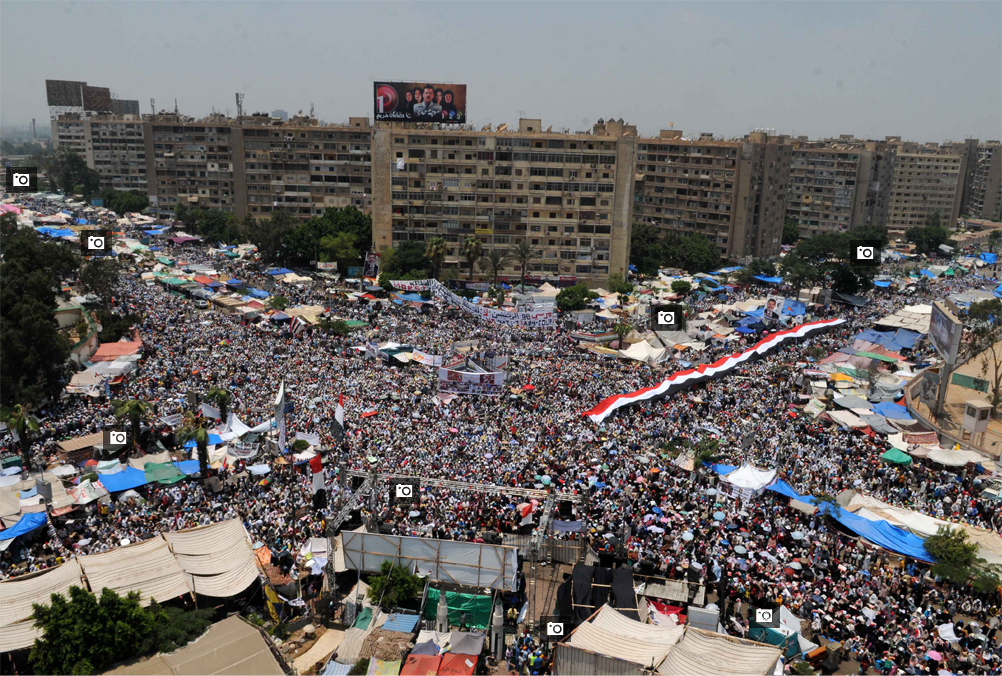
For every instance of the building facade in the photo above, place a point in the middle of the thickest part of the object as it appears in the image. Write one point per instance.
(569, 195)
(927, 180)
(985, 201)
(113, 145)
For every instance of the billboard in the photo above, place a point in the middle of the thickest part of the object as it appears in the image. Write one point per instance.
(945, 331)
(419, 102)
(64, 93)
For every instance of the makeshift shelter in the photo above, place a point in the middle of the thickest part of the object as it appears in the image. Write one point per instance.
(457, 665)
(750, 479)
(421, 665)
(17, 630)
(217, 559)
(476, 607)
(146, 567)
(710, 654)
(896, 457)
(644, 352)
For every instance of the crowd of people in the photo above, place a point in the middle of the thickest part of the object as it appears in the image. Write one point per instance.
(887, 613)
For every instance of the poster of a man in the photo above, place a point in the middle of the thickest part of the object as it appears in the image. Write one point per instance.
(773, 309)
(420, 102)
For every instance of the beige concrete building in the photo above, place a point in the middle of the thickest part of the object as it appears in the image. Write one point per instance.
(985, 200)
(569, 195)
(111, 144)
(731, 191)
(927, 179)
(838, 184)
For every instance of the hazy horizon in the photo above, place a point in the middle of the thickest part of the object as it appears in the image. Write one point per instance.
(929, 71)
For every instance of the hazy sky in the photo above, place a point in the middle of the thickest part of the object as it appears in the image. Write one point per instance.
(923, 70)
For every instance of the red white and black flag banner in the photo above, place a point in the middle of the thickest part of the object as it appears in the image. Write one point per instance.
(684, 379)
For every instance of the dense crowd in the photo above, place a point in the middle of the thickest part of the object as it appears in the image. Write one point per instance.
(887, 614)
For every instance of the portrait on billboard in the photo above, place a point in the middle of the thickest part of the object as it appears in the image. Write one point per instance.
(420, 102)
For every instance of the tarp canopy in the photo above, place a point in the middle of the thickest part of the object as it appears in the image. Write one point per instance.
(476, 606)
(27, 523)
(128, 478)
(710, 654)
(897, 457)
(768, 280)
(989, 258)
(17, 630)
(750, 477)
(216, 559)
(420, 665)
(147, 567)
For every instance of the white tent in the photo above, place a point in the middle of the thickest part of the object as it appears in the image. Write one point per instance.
(750, 477)
(645, 352)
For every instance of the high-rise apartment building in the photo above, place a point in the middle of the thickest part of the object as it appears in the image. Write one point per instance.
(838, 184)
(733, 192)
(111, 144)
(927, 180)
(569, 195)
(985, 200)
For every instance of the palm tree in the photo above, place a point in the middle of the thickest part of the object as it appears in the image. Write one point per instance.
(435, 253)
(524, 253)
(193, 429)
(494, 262)
(21, 423)
(221, 397)
(133, 410)
(472, 251)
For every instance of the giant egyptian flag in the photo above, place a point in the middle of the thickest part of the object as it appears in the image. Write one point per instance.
(683, 379)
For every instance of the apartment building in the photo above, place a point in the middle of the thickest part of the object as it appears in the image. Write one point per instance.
(570, 195)
(113, 145)
(985, 199)
(732, 192)
(927, 179)
(838, 184)
(302, 167)
(191, 162)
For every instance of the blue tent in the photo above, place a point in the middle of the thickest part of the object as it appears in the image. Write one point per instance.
(412, 298)
(279, 271)
(743, 329)
(793, 307)
(784, 488)
(54, 232)
(26, 524)
(889, 409)
(214, 439)
(880, 533)
(881, 284)
(130, 477)
(989, 258)
(155, 232)
(929, 274)
(901, 339)
(768, 280)
(66, 213)
(81, 221)
(234, 283)
(257, 293)
(721, 469)
(187, 467)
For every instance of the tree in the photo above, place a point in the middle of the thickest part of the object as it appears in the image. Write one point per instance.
(269, 235)
(798, 273)
(406, 258)
(133, 410)
(493, 262)
(791, 232)
(575, 297)
(19, 420)
(829, 255)
(84, 634)
(472, 251)
(680, 287)
(8, 228)
(126, 201)
(993, 239)
(221, 397)
(984, 333)
(99, 277)
(927, 238)
(340, 248)
(30, 338)
(338, 327)
(278, 302)
(956, 559)
(645, 248)
(523, 253)
(757, 267)
(622, 330)
(193, 429)
(617, 285)
(302, 242)
(114, 326)
(394, 586)
(435, 253)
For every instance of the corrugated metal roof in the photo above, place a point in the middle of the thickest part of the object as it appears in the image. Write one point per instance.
(709, 654)
(405, 624)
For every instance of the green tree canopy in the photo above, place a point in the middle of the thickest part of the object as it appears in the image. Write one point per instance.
(269, 235)
(650, 250)
(681, 287)
(575, 297)
(957, 560)
(19, 419)
(493, 263)
(435, 253)
(523, 253)
(472, 250)
(984, 344)
(791, 232)
(99, 276)
(927, 238)
(84, 634)
(406, 258)
(616, 284)
(303, 242)
(341, 249)
(124, 201)
(394, 586)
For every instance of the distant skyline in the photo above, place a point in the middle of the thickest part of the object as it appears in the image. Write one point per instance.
(925, 71)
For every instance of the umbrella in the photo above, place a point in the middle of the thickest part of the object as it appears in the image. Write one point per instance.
(489, 456)
(711, 491)
(718, 516)
(546, 480)
(372, 458)
(796, 565)
(740, 550)
(454, 430)
(656, 529)
(644, 459)
(933, 655)
(414, 512)
(869, 613)
(687, 536)
(797, 535)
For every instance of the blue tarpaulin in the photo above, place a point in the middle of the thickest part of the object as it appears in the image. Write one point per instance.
(989, 258)
(54, 232)
(881, 284)
(405, 624)
(26, 524)
(81, 221)
(929, 274)
(743, 329)
(155, 232)
(128, 478)
(721, 469)
(412, 298)
(902, 339)
(784, 488)
(257, 293)
(187, 467)
(768, 280)
(279, 271)
(214, 439)
(889, 409)
(793, 307)
(234, 282)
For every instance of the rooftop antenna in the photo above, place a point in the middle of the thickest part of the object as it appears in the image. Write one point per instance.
(175, 107)
(153, 107)
(240, 106)
(311, 110)
(34, 136)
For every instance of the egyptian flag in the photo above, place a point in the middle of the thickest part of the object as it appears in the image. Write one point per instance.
(338, 427)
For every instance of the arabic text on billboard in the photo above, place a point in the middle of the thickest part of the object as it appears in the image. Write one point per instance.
(420, 102)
